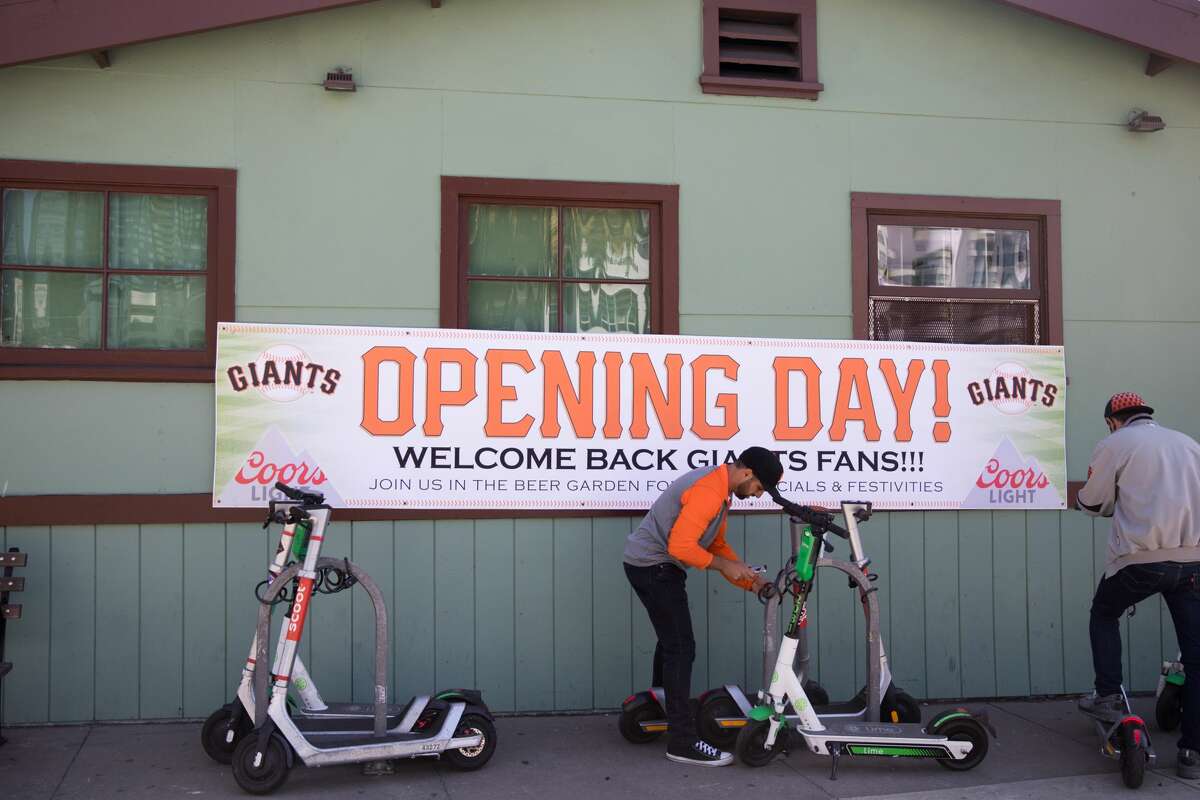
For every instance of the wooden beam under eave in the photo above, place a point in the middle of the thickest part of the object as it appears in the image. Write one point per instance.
(101, 59)
(1156, 64)
(435, 3)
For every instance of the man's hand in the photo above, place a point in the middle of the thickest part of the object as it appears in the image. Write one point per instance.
(759, 582)
(734, 571)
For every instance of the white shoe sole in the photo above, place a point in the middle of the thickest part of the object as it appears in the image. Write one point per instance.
(724, 762)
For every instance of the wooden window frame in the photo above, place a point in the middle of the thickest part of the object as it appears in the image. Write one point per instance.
(194, 366)
(711, 80)
(1042, 217)
(458, 193)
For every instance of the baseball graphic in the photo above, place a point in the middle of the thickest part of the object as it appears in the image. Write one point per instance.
(276, 382)
(1004, 375)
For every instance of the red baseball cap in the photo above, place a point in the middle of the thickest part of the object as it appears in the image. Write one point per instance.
(1126, 401)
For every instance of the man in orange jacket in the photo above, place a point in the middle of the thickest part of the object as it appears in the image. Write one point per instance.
(686, 528)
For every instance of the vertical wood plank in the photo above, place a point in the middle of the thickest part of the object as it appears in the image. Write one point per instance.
(1011, 598)
(534, 626)
(371, 548)
(162, 634)
(413, 630)
(730, 632)
(27, 643)
(495, 569)
(976, 610)
(942, 656)
(118, 594)
(907, 657)
(204, 658)
(454, 591)
(612, 624)
(1043, 548)
(1077, 588)
(72, 622)
(245, 566)
(572, 614)
(763, 546)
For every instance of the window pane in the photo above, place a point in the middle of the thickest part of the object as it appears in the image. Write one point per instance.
(53, 229)
(512, 306)
(964, 322)
(49, 309)
(512, 240)
(156, 312)
(976, 258)
(607, 243)
(606, 308)
(158, 231)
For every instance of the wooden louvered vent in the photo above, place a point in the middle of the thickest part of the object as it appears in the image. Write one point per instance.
(760, 47)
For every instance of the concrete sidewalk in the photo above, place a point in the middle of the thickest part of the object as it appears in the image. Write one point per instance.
(1044, 749)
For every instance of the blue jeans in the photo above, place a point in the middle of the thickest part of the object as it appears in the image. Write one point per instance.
(662, 589)
(1179, 585)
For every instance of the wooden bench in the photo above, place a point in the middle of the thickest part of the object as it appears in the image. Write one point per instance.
(13, 558)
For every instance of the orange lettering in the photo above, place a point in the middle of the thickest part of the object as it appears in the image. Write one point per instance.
(612, 395)
(853, 378)
(667, 405)
(557, 383)
(902, 396)
(784, 366)
(372, 359)
(941, 403)
(498, 392)
(727, 402)
(436, 398)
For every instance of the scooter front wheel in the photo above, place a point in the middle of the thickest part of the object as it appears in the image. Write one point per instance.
(630, 723)
(716, 707)
(1168, 709)
(1133, 754)
(469, 758)
(271, 770)
(215, 738)
(751, 747)
(964, 729)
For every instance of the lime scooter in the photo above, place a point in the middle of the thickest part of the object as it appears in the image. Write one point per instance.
(455, 726)
(724, 711)
(957, 738)
(1168, 703)
(227, 724)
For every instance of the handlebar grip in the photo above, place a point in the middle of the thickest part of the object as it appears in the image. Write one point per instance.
(299, 495)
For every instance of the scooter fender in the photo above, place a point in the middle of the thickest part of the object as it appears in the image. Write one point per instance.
(635, 701)
(979, 716)
(472, 697)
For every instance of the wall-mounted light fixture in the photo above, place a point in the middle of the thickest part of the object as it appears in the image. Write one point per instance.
(340, 80)
(1143, 122)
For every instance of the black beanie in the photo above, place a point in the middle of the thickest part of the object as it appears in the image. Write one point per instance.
(764, 464)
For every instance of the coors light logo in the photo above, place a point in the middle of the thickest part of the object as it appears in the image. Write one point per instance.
(1009, 479)
(273, 459)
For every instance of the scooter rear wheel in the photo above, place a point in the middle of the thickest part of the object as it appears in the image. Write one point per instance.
(470, 758)
(213, 735)
(630, 723)
(1168, 709)
(964, 729)
(751, 743)
(900, 706)
(271, 771)
(1133, 754)
(718, 706)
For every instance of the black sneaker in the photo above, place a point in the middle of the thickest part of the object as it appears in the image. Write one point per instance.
(1106, 705)
(1188, 764)
(698, 752)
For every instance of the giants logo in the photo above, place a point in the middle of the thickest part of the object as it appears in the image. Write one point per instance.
(283, 373)
(1012, 390)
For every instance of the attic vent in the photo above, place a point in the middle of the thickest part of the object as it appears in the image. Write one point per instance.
(760, 47)
(340, 80)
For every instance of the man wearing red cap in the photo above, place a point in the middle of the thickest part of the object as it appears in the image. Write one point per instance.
(1147, 478)
(686, 528)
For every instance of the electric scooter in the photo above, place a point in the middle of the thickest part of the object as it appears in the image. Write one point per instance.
(455, 726)
(723, 711)
(226, 725)
(957, 739)
(1168, 703)
(1124, 738)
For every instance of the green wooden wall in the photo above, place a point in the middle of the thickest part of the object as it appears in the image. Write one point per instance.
(154, 621)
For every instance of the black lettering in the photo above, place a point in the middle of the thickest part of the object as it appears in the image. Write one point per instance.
(236, 379)
(329, 384)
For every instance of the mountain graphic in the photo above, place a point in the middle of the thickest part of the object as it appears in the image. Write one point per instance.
(274, 450)
(1011, 460)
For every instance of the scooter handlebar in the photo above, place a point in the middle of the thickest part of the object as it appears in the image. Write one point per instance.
(299, 495)
(819, 519)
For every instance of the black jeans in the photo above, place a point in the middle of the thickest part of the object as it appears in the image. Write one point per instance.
(1179, 585)
(662, 589)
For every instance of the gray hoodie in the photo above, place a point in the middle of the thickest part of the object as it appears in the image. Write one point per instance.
(1147, 478)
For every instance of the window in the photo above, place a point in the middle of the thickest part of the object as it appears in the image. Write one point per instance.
(956, 269)
(559, 256)
(761, 47)
(113, 272)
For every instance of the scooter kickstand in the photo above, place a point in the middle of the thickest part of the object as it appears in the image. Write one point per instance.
(835, 752)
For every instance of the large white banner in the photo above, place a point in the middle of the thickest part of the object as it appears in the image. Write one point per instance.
(451, 419)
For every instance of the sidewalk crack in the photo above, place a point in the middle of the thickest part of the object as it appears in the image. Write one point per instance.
(67, 771)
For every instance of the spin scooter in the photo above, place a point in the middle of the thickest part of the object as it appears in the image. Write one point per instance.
(957, 739)
(226, 725)
(1124, 738)
(455, 726)
(1168, 704)
(724, 711)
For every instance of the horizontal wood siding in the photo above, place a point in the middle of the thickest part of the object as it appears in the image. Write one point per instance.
(154, 621)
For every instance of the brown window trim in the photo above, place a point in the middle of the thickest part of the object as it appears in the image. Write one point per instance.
(711, 80)
(864, 206)
(220, 186)
(661, 199)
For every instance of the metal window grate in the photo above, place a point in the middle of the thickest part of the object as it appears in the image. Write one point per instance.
(963, 321)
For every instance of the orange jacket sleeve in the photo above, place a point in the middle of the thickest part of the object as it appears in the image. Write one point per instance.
(699, 506)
